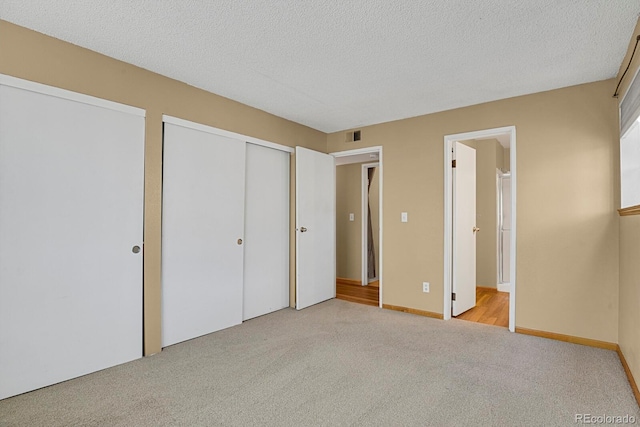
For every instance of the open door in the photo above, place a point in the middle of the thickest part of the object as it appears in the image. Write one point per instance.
(315, 227)
(464, 229)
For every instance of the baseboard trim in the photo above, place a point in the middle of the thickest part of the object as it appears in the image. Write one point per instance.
(348, 281)
(413, 311)
(568, 338)
(504, 287)
(627, 370)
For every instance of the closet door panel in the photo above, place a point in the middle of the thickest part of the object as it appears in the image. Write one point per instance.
(71, 210)
(266, 263)
(202, 233)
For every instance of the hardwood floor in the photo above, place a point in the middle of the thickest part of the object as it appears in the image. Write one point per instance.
(353, 291)
(492, 308)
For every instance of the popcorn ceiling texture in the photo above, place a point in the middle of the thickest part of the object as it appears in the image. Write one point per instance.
(335, 64)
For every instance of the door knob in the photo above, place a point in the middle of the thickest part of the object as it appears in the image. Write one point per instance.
(475, 229)
(303, 229)
(239, 241)
(135, 249)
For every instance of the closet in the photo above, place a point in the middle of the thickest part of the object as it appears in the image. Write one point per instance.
(71, 218)
(225, 229)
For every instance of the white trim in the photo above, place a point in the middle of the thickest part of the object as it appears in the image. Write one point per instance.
(498, 224)
(69, 95)
(364, 191)
(209, 129)
(513, 259)
(448, 213)
(366, 150)
(448, 226)
(380, 223)
(376, 149)
(504, 287)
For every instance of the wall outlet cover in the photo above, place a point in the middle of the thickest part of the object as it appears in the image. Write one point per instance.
(425, 287)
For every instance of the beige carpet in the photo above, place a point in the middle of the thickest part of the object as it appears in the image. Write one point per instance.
(339, 363)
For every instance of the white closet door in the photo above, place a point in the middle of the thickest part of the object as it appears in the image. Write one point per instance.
(202, 232)
(266, 251)
(71, 210)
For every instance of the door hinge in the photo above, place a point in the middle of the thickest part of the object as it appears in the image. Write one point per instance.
(453, 163)
(453, 296)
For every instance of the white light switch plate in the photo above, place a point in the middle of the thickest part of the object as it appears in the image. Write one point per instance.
(404, 217)
(352, 217)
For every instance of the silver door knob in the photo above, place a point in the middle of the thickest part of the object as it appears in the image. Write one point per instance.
(239, 241)
(475, 229)
(135, 249)
(303, 229)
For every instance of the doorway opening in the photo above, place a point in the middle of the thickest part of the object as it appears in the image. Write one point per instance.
(359, 225)
(480, 217)
(370, 247)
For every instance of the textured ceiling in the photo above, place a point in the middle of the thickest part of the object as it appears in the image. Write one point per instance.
(338, 64)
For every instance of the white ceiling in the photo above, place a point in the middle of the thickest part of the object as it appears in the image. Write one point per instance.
(339, 64)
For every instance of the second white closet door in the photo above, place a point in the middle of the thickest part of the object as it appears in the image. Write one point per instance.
(266, 252)
(202, 222)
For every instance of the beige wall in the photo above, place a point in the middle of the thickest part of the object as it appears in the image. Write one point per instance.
(629, 319)
(349, 233)
(567, 260)
(32, 56)
(500, 154)
(486, 212)
(506, 163)
(629, 338)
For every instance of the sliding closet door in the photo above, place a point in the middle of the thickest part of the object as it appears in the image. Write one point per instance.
(71, 214)
(266, 263)
(202, 233)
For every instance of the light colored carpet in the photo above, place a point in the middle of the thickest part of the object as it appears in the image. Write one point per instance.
(339, 363)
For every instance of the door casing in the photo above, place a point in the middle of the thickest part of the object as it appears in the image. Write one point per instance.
(448, 214)
(361, 155)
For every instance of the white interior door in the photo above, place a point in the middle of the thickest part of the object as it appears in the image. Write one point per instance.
(266, 246)
(315, 227)
(71, 211)
(464, 229)
(202, 232)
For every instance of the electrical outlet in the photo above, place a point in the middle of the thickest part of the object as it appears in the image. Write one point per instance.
(425, 287)
(404, 217)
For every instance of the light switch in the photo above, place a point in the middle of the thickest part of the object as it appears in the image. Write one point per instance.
(404, 217)
(352, 217)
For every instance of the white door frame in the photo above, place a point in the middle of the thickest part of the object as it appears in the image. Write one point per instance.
(365, 221)
(448, 214)
(362, 155)
(502, 287)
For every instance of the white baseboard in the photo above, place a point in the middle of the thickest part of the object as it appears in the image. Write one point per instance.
(504, 287)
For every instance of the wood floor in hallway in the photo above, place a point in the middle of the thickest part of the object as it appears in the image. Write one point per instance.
(492, 308)
(353, 291)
